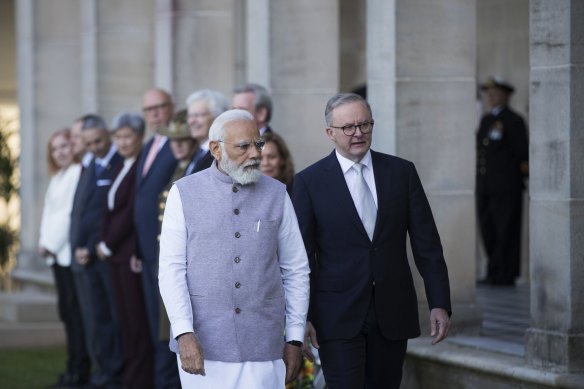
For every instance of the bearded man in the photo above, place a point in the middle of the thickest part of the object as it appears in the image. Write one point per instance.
(233, 269)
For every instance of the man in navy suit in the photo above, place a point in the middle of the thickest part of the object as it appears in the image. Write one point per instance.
(256, 100)
(154, 169)
(92, 276)
(355, 209)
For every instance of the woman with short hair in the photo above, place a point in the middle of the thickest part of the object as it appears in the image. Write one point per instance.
(117, 247)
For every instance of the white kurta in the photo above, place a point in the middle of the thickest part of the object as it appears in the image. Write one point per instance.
(172, 270)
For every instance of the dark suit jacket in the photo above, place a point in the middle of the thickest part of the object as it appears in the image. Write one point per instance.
(345, 264)
(499, 160)
(202, 162)
(88, 206)
(148, 190)
(117, 225)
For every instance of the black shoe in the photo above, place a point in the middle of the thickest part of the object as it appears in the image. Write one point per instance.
(68, 380)
(485, 281)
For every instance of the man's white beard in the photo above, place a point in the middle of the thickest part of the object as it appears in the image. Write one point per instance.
(240, 174)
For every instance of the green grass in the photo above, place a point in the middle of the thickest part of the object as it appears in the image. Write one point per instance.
(31, 368)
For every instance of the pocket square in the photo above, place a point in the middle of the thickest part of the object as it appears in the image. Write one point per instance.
(104, 182)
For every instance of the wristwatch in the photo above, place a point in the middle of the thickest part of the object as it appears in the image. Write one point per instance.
(296, 343)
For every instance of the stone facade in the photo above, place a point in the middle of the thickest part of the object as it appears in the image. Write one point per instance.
(421, 62)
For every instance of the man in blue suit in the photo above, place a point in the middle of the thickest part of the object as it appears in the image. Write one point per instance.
(154, 170)
(355, 209)
(92, 276)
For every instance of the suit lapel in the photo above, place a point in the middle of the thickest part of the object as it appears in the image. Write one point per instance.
(143, 155)
(382, 174)
(334, 175)
(86, 185)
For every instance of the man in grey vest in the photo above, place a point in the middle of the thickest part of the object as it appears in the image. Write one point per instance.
(233, 269)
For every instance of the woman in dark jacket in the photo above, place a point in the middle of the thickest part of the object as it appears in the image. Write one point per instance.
(117, 246)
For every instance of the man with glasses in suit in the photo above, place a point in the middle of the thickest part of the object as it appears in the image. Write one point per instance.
(355, 209)
(156, 165)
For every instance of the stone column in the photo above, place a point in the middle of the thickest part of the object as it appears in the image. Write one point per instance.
(204, 47)
(163, 45)
(421, 86)
(49, 97)
(556, 337)
(257, 28)
(304, 73)
(127, 39)
(89, 74)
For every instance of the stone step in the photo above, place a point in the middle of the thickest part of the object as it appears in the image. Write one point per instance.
(28, 307)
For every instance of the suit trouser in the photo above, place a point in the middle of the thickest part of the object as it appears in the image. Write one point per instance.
(95, 291)
(131, 310)
(368, 360)
(165, 369)
(500, 222)
(78, 362)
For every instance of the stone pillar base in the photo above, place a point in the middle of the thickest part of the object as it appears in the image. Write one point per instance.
(550, 349)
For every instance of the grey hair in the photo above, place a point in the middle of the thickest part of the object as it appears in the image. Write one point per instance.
(217, 130)
(261, 97)
(92, 121)
(216, 100)
(130, 120)
(342, 99)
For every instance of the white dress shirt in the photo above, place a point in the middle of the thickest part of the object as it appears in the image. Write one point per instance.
(111, 195)
(103, 162)
(351, 176)
(172, 279)
(202, 150)
(56, 219)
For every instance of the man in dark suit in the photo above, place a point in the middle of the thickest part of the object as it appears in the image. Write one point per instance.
(355, 209)
(155, 167)
(203, 107)
(502, 165)
(92, 276)
(256, 100)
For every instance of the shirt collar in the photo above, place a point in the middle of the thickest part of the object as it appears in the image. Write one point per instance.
(497, 110)
(86, 159)
(205, 145)
(347, 164)
(105, 160)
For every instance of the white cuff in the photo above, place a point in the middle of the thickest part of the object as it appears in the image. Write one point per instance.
(295, 333)
(103, 247)
(181, 327)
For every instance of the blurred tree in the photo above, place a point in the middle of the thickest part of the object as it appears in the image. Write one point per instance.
(8, 236)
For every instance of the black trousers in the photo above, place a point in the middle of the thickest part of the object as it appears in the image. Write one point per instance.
(368, 360)
(165, 367)
(78, 362)
(500, 223)
(136, 342)
(102, 336)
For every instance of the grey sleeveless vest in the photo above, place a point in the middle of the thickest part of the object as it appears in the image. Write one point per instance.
(233, 274)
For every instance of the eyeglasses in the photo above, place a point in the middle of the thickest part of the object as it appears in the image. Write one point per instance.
(244, 146)
(350, 129)
(153, 108)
